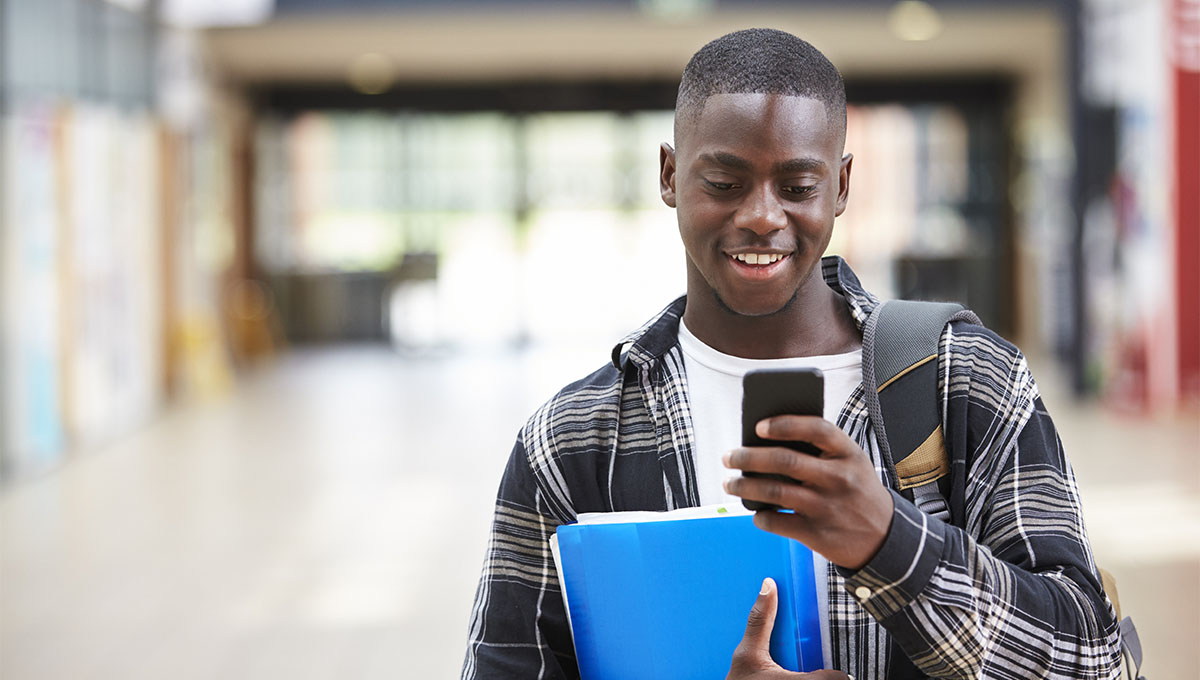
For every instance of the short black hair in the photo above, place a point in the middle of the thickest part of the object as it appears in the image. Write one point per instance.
(761, 61)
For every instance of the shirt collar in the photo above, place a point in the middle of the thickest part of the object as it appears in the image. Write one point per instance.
(658, 335)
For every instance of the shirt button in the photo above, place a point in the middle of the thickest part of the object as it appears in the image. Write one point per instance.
(863, 593)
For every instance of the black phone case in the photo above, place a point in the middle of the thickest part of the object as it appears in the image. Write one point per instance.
(769, 393)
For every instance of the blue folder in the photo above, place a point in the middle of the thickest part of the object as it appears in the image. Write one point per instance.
(669, 599)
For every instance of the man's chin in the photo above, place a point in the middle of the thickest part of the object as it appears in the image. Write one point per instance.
(756, 309)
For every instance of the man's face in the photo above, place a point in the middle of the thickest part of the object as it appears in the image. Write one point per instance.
(757, 181)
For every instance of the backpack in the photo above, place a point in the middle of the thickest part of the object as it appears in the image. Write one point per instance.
(900, 350)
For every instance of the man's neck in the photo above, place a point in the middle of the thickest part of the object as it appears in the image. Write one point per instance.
(815, 324)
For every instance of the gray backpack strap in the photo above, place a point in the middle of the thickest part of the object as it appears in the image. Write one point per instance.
(900, 347)
(1131, 646)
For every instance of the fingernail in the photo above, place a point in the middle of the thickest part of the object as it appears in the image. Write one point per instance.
(726, 484)
(766, 586)
(725, 460)
(761, 428)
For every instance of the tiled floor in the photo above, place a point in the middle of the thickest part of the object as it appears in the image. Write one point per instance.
(328, 521)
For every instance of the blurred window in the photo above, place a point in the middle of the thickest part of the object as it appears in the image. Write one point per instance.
(548, 226)
(509, 206)
(66, 49)
(929, 216)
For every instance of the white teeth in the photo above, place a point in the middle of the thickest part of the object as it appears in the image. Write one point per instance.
(757, 258)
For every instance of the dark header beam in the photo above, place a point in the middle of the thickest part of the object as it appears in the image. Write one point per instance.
(525, 97)
(533, 97)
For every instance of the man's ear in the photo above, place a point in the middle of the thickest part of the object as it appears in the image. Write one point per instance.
(843, 184)
(666, 173)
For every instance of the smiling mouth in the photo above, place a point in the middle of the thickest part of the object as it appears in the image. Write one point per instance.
(758, 266)
(758, 258)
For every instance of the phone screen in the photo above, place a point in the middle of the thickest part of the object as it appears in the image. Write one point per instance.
(768, 393)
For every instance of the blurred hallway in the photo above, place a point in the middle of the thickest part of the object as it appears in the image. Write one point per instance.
(190, 190)
(325, 521)
(328, 521)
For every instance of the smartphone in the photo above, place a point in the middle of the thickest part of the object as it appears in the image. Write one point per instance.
(768, 393)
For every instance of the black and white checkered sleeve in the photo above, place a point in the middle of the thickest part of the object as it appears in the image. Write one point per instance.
(518, 627)
(1015, 593)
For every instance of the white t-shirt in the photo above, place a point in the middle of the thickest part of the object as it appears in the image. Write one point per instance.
(715, 397)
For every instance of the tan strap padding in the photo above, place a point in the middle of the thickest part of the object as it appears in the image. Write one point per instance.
(901, 374)
(1110, 589)
(927, 463)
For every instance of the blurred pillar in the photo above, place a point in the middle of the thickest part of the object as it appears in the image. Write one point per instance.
(170, 217)
(1081, 132)
(242, 199)
(250, 312)
(4, 230)
(1186, 76)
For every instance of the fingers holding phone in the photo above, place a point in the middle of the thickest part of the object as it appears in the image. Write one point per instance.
(795, 460)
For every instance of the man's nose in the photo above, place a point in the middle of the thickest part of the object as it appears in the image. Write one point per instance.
(761, 211)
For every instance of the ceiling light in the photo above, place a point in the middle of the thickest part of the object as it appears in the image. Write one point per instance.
(913, 20)
(371, 73)
(676, 10)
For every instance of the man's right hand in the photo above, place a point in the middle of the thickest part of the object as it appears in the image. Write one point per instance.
(752, 658)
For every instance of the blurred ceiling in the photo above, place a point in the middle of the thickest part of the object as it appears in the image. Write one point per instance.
(614, 41)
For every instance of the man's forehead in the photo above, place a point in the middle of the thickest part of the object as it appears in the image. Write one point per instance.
(729, 114)
(758, 103)
(742, 98)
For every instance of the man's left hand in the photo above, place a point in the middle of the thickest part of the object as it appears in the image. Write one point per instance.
(841, 510)
(752, 658)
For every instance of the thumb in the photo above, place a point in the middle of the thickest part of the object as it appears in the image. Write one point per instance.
(754, 651)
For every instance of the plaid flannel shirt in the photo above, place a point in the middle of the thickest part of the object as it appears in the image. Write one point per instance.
(1008, 589)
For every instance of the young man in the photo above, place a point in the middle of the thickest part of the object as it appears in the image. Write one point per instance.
(757, 177)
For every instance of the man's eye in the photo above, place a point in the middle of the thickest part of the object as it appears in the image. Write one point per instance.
(719, 186)
(801, 190)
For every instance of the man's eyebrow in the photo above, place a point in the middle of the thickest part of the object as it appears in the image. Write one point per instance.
(800, 165)
(727, 159)
(792, 165)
